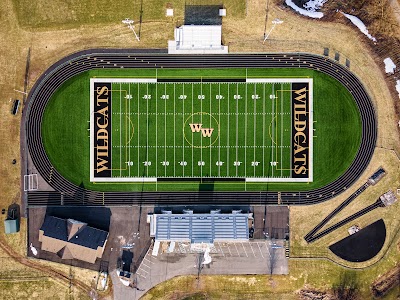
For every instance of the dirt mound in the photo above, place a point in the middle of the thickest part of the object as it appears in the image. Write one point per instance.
(386, 282)
(310, 294)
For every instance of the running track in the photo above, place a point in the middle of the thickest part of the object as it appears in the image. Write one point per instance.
(66, 193)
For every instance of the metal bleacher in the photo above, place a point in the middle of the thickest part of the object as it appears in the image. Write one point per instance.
(198, 228)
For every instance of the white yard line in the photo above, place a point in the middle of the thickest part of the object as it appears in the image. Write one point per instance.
(129, 131)
(192, 131)
(183, 128)
(245, 131)
(156, 163)
(264, 130)
(201, 122)
(219, 122)
(237, 126)
(138, 130)
(174, 131)
(147, 129)
(281, 166)
(165, 129)
(255, 128)
(273, 129)
(120, 131)
(210, 127)
(228, 148)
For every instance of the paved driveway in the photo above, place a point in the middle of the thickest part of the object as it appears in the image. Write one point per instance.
(254, 257)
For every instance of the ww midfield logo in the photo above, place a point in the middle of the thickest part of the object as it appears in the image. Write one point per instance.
(196, 127)
(201, 130)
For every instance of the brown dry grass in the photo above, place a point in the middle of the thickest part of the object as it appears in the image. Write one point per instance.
(20, 282)
(299, 247)
(244, 35)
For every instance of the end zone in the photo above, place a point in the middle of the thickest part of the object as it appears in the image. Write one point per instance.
(302, 129)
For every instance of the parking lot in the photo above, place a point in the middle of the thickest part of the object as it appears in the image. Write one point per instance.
(253, 257)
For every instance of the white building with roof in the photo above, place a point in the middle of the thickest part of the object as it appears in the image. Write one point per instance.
(197, 39)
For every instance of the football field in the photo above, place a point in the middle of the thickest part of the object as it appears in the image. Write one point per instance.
(148, 130)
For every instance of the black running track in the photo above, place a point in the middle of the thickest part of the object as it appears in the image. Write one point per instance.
(67, 193)
(378, 203)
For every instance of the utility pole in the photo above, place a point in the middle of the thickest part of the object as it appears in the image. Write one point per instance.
(266, 18)
(129, 22)
(25, 93)
(274, 23)
(199, 263)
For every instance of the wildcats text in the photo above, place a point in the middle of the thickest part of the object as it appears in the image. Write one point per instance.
(102, 129)
(300, 130)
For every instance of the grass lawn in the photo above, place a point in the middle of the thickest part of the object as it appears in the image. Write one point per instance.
(317, 274)
(73, 13)
(337, 128)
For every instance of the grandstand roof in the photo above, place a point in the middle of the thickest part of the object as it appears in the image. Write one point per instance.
(201, 228)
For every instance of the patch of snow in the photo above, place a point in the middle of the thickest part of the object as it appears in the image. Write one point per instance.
(389, 65)
(124, 282)
(356, 21)
(305, 12)
(398, 87)
(207, 257)
(103, 282)
(33, 249)
(314, 5)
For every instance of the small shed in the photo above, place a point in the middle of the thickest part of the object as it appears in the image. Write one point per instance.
(11, 226)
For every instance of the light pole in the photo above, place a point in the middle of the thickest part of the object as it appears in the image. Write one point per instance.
(129, 22)
(274, 23)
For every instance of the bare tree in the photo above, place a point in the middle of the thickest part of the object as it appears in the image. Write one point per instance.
(272, 256)
(347, 286)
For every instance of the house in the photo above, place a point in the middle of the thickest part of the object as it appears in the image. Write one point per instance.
(72, 239)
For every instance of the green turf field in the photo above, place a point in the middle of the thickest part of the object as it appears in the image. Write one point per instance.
(247, 130)
(336, 137)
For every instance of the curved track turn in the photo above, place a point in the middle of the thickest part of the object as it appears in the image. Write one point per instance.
(67, 193)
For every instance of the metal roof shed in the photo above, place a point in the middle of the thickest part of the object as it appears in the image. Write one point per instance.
(11, 226)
